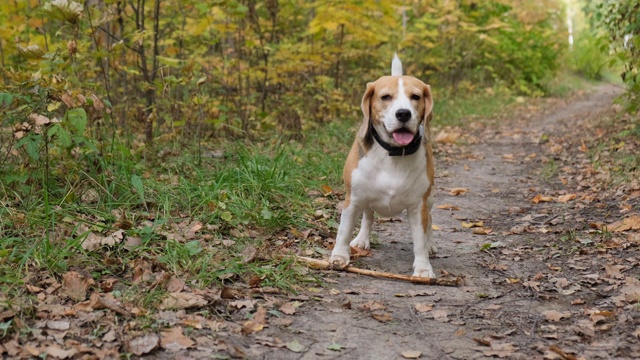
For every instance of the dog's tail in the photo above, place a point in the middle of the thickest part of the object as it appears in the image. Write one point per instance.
(396, 66)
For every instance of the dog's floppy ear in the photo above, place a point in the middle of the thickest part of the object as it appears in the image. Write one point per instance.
(366, 111)
(428, 104)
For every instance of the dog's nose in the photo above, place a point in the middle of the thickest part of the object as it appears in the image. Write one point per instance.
(403, 115)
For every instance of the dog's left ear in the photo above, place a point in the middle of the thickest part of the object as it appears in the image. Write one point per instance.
(366, 111)
(428, 104)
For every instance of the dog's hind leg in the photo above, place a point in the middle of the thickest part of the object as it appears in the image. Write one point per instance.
(362, 240)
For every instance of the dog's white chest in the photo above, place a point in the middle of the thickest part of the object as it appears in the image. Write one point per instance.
(389, 185)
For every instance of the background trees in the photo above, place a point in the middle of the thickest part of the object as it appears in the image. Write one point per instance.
(243, 68)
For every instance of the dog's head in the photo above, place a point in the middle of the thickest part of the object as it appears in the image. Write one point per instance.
(396, 106)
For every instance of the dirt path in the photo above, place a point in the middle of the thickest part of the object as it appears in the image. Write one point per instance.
(359, 317)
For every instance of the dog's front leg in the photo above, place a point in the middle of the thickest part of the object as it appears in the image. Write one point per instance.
(421, 245)
(362, 240)
(341, 251)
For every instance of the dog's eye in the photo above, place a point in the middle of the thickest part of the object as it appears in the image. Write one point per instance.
(385, 97)
(415, 97)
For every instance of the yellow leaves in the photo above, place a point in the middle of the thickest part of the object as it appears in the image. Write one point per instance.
(541, 198)
(477, 227)
(563, 199)
(471, 225)
(326, 190)
(170, 61)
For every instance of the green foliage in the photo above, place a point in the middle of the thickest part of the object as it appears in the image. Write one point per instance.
(587, 57)
(620, 22)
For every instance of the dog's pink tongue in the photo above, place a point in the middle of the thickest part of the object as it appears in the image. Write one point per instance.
(402, 137)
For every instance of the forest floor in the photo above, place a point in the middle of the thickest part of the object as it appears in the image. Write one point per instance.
(538, 211)
(548, 284)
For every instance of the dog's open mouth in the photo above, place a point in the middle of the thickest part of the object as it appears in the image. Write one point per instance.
(403, 136)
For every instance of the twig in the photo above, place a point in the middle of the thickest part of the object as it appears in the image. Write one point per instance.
(326, 265)
(562, 354)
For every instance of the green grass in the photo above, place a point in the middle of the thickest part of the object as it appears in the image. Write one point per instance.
(253, 189)
(461, 108)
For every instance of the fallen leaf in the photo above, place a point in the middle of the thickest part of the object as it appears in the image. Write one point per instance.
(335, 347)
(411, 354)
(75, 285)
(584, 328)
(357, 253)
(421, 307)
(182, 301)
(553, 315)
(373, 306)
(629, 223)
(290, 307)
(260, 316)
(239, 304)
(249, 254)
(60, 325)
(540, 198)
(250, 327)
(440, 315)
(509, 157)
(482, 231)
(58, 352)
(566, 198)
(630, 292)
(384, 317)
(448, 207)
(500, 350)
(39, 120)
(174, 340)
(326, 190)
(143, 344)
(110, 336)
(447, 137)
(483, 342)
(295, 346)
(613, 271)
(458, 191)
(175, 285)
(472, 224)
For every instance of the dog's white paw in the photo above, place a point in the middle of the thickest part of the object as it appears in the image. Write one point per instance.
(339, 261)
(422, 268)
(424, 272)
(362, 243)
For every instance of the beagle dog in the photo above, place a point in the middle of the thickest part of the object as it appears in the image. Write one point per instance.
(390, 166)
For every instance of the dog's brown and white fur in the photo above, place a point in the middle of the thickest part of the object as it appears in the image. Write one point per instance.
(387, 185)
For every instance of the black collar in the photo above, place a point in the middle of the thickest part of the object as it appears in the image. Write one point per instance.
(408, 149)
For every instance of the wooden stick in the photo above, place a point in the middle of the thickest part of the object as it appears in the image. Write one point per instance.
(326, 265)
